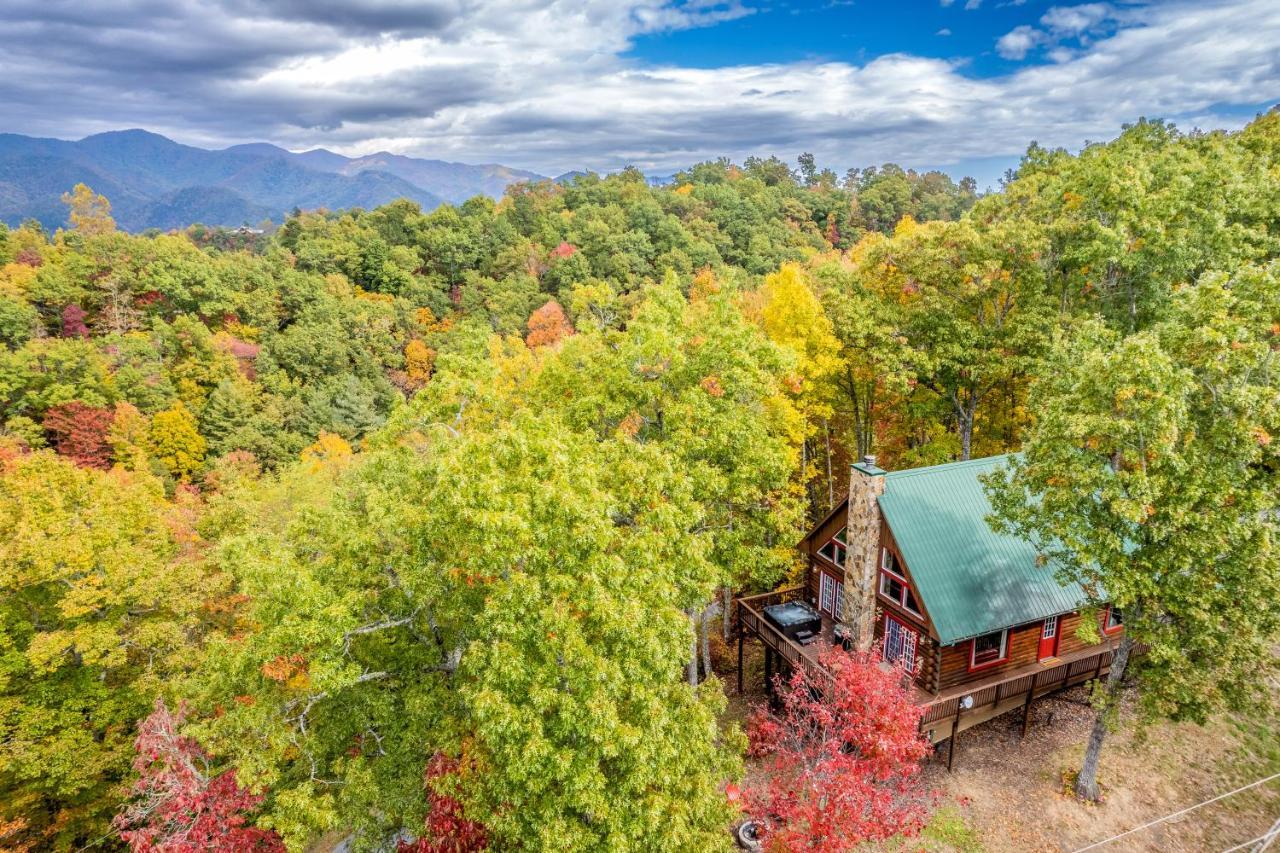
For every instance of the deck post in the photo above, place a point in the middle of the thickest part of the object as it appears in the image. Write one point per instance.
(1026, 709)
(740, 660)
(1097, 673)
(951, 750)
(768, 669)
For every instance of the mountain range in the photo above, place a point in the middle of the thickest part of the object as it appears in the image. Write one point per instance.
(154, 182)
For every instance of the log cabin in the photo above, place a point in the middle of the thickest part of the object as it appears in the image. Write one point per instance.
(907, 568)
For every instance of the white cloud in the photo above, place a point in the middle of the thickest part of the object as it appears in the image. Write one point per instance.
(970, 5)
(1073, 20)
(943, 32)
(548, 85)
(1015, 43)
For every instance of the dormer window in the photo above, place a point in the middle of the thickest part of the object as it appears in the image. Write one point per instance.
(836, 549)
(1113, 620)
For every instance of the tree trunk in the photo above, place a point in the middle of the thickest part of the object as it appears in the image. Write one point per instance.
(1087, 781)
(707, 616)
(692, 667)
(728, 613)
(831, 486)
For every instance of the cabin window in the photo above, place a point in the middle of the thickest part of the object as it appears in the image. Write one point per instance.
(895, 588)
(1114, 620)
(899, 644)
(989, 649)
(889, 562)
(839, 611)
(836, 549)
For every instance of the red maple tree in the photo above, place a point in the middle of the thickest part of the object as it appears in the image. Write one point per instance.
(548, 325)
(73, 325)
(179, 805)
(840, 758)
(81, 432)
(448, 830)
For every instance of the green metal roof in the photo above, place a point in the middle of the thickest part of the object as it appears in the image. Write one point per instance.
(972, 580)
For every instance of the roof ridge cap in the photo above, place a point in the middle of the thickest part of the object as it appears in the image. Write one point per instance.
(926, 469)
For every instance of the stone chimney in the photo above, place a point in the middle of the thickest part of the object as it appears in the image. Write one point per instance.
(866, 484)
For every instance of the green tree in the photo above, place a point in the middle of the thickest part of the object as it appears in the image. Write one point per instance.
(100, 606)
(974, 311)
(1150, 479)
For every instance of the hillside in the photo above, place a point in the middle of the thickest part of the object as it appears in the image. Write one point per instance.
(155, 182)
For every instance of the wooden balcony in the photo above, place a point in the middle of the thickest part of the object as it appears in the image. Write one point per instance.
(945, 714)
(749, 616)
(992, 696)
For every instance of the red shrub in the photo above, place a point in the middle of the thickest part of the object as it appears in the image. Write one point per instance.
(840, 766)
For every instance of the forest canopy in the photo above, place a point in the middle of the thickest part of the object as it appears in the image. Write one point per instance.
(400, 507)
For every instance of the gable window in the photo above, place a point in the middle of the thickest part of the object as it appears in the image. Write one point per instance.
(989, 649)
(894, 587)
(836, 549)
(1113, 620)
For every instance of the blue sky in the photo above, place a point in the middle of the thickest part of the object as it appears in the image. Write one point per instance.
(798, 31)
(857, 31)
(555, 85)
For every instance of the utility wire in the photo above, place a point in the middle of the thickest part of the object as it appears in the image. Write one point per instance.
(1182, 812)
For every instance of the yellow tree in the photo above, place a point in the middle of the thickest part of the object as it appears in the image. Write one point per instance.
(176, 442)
(329, 447)
(792, 317)
(103, 596)
(90, 212)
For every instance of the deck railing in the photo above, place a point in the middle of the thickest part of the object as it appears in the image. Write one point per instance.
(1066, 674)
(750, 617)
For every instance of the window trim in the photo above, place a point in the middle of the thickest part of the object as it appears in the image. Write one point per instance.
(885, 555)
(825, 577)
(839, 546)
(906, 588)
(1004, 651)
(917, 658)
(1106, 620)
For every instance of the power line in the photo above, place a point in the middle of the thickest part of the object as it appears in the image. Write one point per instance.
(1263, 841)
(1182, 812)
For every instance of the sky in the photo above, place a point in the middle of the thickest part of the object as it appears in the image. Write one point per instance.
(961, 85)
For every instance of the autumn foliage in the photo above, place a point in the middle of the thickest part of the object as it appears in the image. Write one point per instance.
(548, 325)
(179, 806)
(448, 831)
(73, 324)
(840, 766)
(81, 432)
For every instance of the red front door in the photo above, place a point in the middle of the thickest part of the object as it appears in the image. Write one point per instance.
(1048, 638)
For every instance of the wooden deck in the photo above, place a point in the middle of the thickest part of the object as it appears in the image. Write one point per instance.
(750, 617)
(945, 714)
